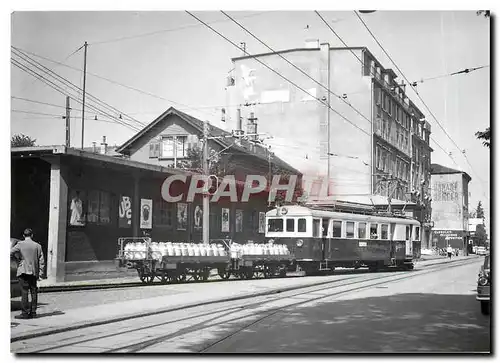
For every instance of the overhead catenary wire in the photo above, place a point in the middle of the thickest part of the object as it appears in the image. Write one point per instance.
(120, 84)
(279, 74)
(371, 73)
(296, 67)
(167, 30)
(61, 79)
(67, 83)
(418, 95)
(464, 71)
(65, 92)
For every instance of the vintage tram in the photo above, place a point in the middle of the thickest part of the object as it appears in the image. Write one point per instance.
(322, 239)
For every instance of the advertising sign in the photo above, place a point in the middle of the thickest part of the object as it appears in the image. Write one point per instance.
(198, 217)
(182, 216)
(146, 213)
(225, 220)
(125, 212)
(239, 220)
(445, 238)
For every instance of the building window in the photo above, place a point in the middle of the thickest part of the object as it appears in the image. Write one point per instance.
(290, 225)
(349, 229)
(337, 229)
(174, 147)
(301, 225)
(163, 213)
(154, 149)
(98, 207)
(361, 230)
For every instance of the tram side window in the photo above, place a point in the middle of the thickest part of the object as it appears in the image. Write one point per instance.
(301, 225)
(361, 230)
(316, 227)
(337, 229)
(275, 225)
(290, 225)
(349, 229)
(324, 226)
(417, 233)
(408, 233)
(384, 231)
(373, 231)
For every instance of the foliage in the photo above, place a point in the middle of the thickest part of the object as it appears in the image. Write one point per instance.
(281, 194)
(479, 211)
(485, 13)
(194, 162)
(22, 140)
(484, 135)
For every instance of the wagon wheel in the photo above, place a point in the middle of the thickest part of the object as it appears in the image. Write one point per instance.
(224, 274)
(164, 277)
(205, 274)
(146, 276)
(196, 275)
(248, 274)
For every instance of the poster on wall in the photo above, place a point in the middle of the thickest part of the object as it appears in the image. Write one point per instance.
(239, 220)
(198, 217)
(76, 212)
(146, 213)
(182, 216)
(262, 222)
(125, 212)
(225, 220)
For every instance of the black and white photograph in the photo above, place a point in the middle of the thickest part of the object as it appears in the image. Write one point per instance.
(348, 154)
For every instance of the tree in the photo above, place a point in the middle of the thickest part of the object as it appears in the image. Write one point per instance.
(479, 211)
(194, 162)
(281, 194)
(22, 140)
(484, 135)
(485, 13)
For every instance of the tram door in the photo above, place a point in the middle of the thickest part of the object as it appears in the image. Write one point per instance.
(409, 243)
(393, 243)
(325, 241)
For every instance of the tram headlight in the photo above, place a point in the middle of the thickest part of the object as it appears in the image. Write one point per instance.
(299, 243)
(483, 281)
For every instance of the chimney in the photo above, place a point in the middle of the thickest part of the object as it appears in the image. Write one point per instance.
(223, 116)
(252, 126)
(94, 147)
(104, 146)
(238, 121)
(312, 43)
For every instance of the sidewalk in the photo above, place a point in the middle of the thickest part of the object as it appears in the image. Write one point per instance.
(177, 296)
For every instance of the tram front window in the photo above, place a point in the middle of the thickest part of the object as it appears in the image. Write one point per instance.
(275, 225)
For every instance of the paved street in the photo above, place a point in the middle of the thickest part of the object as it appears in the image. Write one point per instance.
(429, 310)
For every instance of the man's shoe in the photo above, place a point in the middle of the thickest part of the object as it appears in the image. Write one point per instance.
(22, 316)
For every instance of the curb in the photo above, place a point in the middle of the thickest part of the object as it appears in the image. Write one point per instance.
(47, 331)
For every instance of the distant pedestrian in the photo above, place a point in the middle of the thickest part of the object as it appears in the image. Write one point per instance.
(29, 270)
(456, 252)
(450, 251)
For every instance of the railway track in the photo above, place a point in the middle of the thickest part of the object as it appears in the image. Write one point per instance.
(137, 334)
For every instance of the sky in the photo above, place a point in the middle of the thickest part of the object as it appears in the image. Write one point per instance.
(157, 59)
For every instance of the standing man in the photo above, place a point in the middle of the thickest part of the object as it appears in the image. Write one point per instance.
(450, 251)
(29, 270)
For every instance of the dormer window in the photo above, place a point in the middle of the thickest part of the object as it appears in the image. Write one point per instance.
(174, 147)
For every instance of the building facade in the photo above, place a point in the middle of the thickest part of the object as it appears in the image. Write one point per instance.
(450, 200)
(80, 202)
(352, 123)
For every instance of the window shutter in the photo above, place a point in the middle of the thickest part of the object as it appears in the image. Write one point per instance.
(151, 150)
(154, 149)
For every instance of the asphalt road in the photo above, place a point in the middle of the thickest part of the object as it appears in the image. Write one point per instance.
(433, 310)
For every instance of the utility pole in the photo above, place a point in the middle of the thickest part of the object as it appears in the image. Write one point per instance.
(84, 81)
(206, 200)
(68, 142)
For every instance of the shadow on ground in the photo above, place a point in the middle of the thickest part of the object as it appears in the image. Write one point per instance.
(405, 323)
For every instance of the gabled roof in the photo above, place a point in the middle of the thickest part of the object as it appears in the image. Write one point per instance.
(440, 169)
(214, 131)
